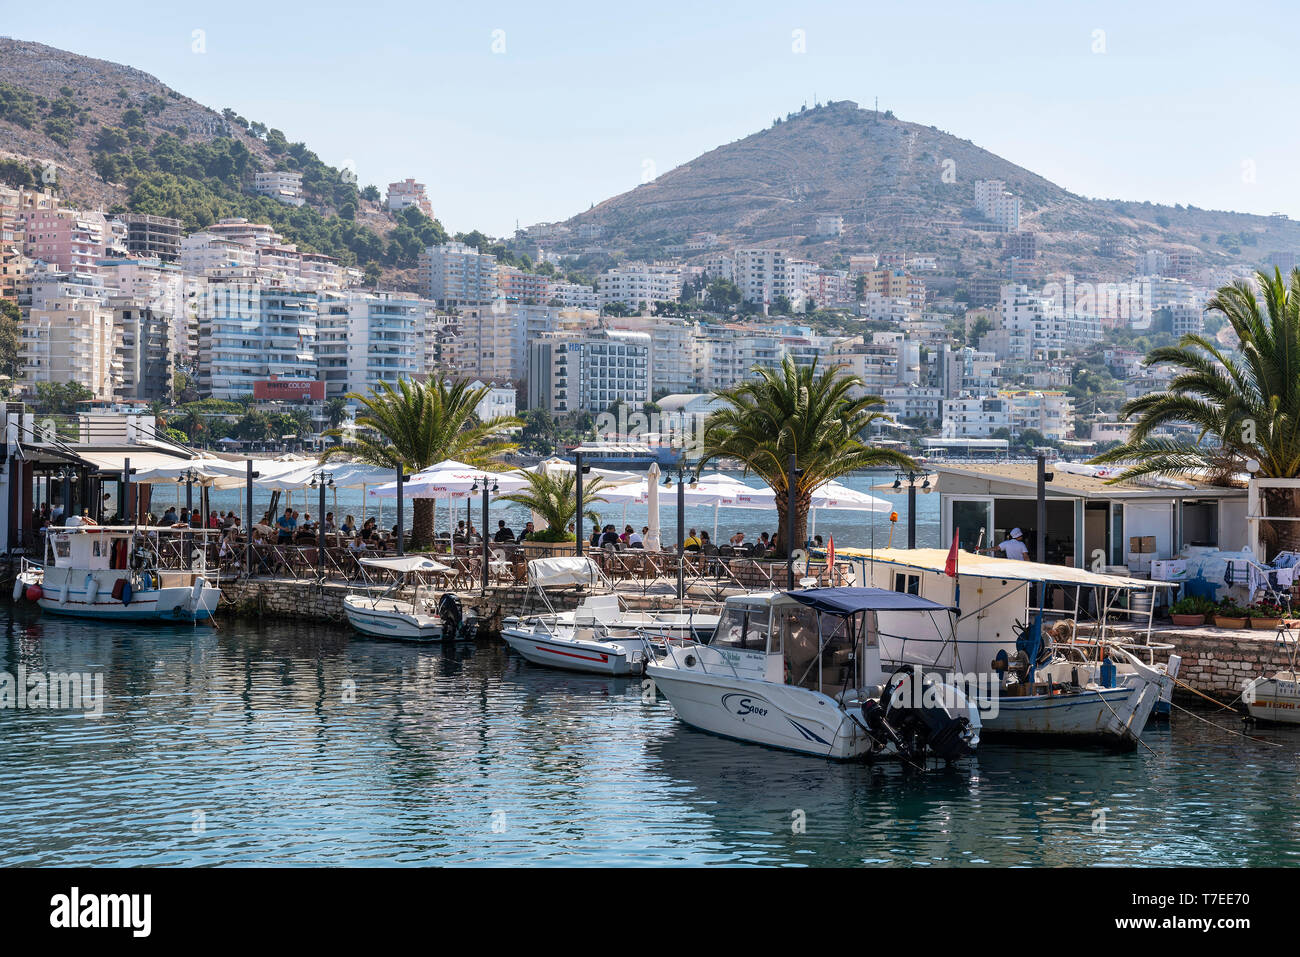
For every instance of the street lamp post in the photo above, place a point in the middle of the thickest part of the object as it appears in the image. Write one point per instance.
(488, 488)
(321, 480)
(682, 473)
(402, 478)
(911, 478)
(577, 518)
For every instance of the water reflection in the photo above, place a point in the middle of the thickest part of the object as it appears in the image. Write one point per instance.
(308, 745)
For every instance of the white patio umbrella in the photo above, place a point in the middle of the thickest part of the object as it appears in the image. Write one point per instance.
(834, 495)
(652, 538)
(450, 480)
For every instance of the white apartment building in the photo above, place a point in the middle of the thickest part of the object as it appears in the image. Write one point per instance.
(253, 331)
(202, 251)
(885, 308)
(764, 274)
(573, 371)
(499, 402)
(1188, 318)
(640, 285)
(364, 339)
(978, 417)
(408, 193)
(913, 402)
(573, 295)
(455, 275)
(70, 338)
(281, 185)
(994, 201)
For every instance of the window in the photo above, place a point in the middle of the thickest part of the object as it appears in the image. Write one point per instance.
(907, 584)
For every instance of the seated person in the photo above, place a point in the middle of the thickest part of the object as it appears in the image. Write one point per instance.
(504, 535)
(692, 543)
(632, 538)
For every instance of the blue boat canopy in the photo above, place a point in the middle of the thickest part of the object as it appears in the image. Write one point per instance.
(847, 601)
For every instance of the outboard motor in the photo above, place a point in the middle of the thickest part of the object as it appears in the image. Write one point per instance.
(917, 721)
(449, 611)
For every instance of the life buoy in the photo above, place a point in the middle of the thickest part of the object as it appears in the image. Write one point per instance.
(92, 589)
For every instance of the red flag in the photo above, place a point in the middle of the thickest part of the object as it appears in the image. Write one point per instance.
(950, 566)
(830, 555)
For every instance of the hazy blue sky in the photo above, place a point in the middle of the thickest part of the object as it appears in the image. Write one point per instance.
(1185, 103)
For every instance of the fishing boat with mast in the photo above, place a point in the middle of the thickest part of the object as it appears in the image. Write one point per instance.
(118, 573)
(1047, 681)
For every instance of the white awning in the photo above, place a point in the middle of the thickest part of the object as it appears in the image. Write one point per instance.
(988, 566)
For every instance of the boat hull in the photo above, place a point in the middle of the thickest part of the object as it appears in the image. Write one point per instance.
(1110, 716)
(387, 620)
(554, 650)
(1275, 699)
(70, 592)
(756, 711)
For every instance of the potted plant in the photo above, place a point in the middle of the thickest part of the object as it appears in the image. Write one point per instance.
(1228, 614)
(1190, 611)
(1265, 615)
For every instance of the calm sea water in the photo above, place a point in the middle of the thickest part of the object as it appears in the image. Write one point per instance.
(297, 745)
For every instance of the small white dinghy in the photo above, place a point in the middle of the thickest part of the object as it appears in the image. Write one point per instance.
(390, 614)
(600, 636)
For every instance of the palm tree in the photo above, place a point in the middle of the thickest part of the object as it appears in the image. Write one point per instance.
(1247, 404)
(336, 411)
(554, 496)
(795, 409)
(417, 425)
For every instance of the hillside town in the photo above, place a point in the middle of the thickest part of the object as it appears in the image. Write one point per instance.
(240, 325)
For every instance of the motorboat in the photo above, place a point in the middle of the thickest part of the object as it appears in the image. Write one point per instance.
(600, 636)
(1275, 698)
(1048, 682)
(115, 573)
(801, 671)
(408, 609)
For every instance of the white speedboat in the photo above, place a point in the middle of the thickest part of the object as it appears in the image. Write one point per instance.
(801, 671)
(1034, 682)
(1276, 697)
(600, 636)
(113, 573)
(419, 617)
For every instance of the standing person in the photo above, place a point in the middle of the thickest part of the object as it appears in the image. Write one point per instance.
(285, 524)
(1014, 547)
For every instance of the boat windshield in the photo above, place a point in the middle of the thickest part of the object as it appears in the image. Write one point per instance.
(818, 646)
(743, 627)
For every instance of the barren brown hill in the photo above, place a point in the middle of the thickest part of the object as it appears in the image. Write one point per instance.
(900, 185)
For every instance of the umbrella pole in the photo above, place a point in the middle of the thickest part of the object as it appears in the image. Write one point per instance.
(811, 530)
(716, 506)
